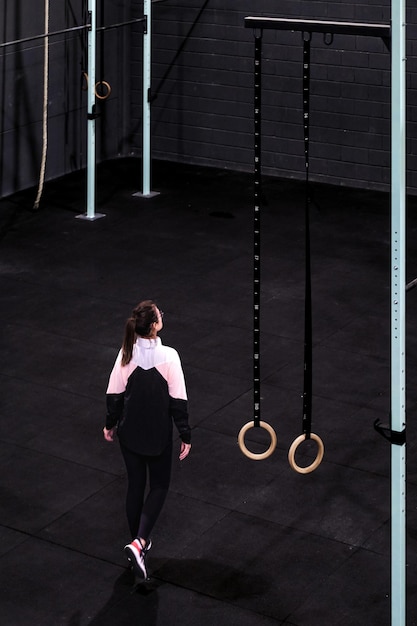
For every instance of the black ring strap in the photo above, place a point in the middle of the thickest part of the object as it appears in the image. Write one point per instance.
(257, 233)
(308, 326)
(308, 331)
(257, 422)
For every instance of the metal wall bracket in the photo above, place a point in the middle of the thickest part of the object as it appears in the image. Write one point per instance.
(93, 115)
(395, 437)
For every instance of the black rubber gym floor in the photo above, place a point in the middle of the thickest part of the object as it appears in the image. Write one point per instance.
(239, 542)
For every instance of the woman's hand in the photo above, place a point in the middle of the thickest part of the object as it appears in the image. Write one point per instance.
(109, 434)
(185, 450)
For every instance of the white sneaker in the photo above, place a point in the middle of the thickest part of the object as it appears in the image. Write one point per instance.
(135, 554)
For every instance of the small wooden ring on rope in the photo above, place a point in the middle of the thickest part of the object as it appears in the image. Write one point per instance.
(106, 91)
(253, 455)
(293, 448)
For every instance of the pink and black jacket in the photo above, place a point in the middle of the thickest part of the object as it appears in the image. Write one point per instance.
(145, 396)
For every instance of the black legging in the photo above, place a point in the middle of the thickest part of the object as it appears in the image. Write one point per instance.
(142, 515)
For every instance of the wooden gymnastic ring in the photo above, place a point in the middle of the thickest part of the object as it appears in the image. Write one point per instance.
(106, 93)
(253, 455)
(314, 465)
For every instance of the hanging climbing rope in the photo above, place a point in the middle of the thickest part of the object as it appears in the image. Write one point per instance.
(308, 330)
(257, 423)
(44, 110)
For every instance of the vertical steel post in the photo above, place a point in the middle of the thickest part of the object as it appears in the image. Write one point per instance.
(146, 105)
(146, 115)
(91, 122)
(91, 114)
(398, 312)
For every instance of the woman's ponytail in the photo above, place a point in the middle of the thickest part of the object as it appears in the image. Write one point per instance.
(140, 323)
(128, 340)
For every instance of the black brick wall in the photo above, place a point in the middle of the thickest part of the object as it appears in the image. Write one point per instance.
(203, 90)
(21, 91)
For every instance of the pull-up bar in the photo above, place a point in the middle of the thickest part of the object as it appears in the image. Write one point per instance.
(319, 26)
(395, 36)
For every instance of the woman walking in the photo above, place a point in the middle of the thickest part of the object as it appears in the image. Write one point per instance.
(145, 395)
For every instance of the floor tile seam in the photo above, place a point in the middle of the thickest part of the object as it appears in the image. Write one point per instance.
(42, 453)
(213, 370)
(268, 379)
(287, 526)
(86, 342)
(30, 282)
(194, 363)
(380, 358)
(236, 511)
(221, 408)
(26, 537)
(34, 535)
(310, 594)
(322, 583)
(52, 388)
(359, 469)
(383, 524)
(280, 334)
(222, 507)
(45, 540)
(230, 402)
(37, 534)
(382, 362)
(350, 320)
(321, 396)
(333, 463)
(358, 352)
(235, 605)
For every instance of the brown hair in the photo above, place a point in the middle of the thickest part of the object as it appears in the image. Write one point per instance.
(139, 323)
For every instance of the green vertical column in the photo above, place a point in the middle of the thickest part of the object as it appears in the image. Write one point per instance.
(146, 105)
(91, 123)
(398, 308)
(146, 119)
(91, 115)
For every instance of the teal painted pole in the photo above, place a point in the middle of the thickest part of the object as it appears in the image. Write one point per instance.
(146, 115)
(91, 115)
(146, 105)
(91, 122)
(398, 311)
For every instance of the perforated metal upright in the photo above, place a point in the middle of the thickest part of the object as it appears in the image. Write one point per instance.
(146, 174)
(398, 316)
(146, 105)
(91, 115)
